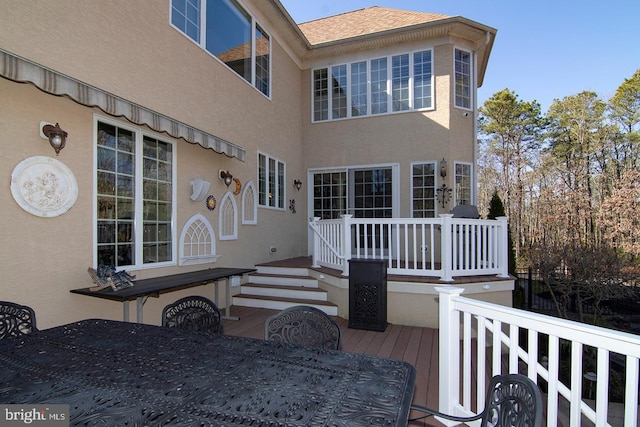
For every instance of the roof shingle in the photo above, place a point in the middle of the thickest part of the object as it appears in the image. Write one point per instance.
(362, 22)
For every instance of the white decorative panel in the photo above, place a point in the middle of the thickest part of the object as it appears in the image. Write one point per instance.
(228, 218)
(197, 242)
(249, 204)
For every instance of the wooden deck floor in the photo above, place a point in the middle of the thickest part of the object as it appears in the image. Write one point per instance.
(418, 346)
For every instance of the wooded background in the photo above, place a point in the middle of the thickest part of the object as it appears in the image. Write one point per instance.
(570, 183)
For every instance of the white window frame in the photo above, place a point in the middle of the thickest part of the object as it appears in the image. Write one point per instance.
(456, 195)
(435, 186)
(139, 134)
(280, 187)
(470, 77)
(369, 101)
(255, 25)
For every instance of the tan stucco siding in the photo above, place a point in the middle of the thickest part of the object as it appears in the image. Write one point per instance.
(129, 49)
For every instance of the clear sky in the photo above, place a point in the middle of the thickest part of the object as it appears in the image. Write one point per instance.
(544, 49)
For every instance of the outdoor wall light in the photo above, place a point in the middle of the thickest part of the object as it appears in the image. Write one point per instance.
(56, 136)
(226, 177)
(443, 168)
(199, 189)
(297, 183)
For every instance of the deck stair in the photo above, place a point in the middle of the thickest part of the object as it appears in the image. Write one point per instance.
(278, 288)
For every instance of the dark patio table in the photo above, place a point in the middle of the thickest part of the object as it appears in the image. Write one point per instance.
(120, 373)
(145, 288)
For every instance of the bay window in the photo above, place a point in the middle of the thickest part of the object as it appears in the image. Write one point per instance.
(382, 85)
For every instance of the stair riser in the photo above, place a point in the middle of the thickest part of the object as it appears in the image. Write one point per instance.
(285, 293)
(282, 271)
(278, 305)
(285, 281)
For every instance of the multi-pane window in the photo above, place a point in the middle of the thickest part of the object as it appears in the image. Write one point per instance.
(373, 193)
(377, 86)
(185, 15)
(359, 89)
(271, 176)
(339, 91)
(263, 59)
(400, 82)
(423, 188)
(379, 93)
(463, 184)
(227, 31)
(320, 94)
(134, 199)
(422, 80)
(462, 63)
(329, 194)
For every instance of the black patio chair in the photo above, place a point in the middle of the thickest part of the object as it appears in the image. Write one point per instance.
(16, 320)
(193, 313)
(303, 325)
(512, 400)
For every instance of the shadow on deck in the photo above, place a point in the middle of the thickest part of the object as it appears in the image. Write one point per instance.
(418, 346)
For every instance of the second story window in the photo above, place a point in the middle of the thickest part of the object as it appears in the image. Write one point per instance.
(462, 64)
(227, 31)
(382, 85)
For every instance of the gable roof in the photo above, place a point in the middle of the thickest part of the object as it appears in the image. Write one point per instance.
(362, 22)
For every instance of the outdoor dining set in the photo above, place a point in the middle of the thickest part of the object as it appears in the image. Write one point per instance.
(188, 372)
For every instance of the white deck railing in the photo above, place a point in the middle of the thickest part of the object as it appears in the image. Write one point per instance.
(475, 332)
(440, 247)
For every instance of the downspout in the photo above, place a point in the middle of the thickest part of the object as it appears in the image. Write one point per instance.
(487, 38)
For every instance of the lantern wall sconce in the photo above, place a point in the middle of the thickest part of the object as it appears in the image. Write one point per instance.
(226, 177)
(297, 183)
(56, 136)
(443, 168)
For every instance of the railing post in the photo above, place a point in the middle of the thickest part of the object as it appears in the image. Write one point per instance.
(449, 344)
(503, 246)
(446, 261)
(316, 242)
(346, 243)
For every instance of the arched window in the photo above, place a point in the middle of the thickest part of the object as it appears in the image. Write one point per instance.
(197, 242)
(228, 218)
(249, 204)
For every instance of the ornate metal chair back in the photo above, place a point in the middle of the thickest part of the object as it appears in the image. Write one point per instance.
(305, 326)
(194, 313)
(512, 400)
(16, 320)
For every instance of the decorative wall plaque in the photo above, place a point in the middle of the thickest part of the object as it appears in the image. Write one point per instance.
(44, 186)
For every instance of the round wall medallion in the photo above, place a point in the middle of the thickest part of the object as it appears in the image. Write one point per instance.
(44, 186)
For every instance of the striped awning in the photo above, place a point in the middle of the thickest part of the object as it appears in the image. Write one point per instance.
(22, 70)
